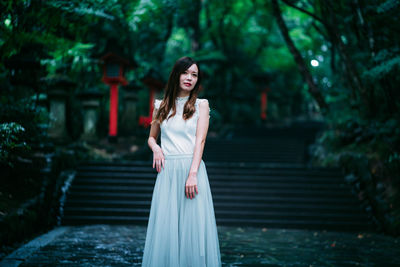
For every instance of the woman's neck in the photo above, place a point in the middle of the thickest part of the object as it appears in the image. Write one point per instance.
(183, 94)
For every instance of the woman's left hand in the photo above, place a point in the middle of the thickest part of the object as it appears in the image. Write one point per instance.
(191, 185)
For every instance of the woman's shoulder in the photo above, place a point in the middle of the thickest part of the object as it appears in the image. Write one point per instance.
(203, 102)
(157, 103)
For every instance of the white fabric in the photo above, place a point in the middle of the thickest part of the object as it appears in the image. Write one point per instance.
(177, 135)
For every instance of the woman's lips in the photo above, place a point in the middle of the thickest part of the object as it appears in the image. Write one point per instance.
(187, 84)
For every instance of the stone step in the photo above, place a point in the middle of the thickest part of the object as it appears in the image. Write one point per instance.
(222, 210)
(216, 197)
(237, 191)
(80, 220)
(246, 155)
(290, 148)
(298, 224)
(239, 214)
(270, 223)
(146, 166)
(272, 205)
(267, 149)
(215, 176)
(212, 173)
(259, 183)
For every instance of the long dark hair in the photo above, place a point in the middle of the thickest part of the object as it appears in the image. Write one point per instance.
(172, 89)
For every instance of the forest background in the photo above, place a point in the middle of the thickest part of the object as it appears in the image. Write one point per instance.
(332, 61)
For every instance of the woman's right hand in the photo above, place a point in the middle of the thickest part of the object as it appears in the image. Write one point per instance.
(158, 158)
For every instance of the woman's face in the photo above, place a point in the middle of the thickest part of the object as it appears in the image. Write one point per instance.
(188, 78)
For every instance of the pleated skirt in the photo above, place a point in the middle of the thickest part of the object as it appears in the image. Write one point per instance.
(181, 232)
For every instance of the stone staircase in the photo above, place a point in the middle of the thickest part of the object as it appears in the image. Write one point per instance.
(262, 182)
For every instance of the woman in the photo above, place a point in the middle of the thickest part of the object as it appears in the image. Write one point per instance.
(181, 231)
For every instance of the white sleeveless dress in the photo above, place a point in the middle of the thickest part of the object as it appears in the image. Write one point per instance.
(181, 232)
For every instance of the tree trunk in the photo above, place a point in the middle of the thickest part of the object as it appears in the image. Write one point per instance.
(351, 71)
(195, 25)
(313, 88)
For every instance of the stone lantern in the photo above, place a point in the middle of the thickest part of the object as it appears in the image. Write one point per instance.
(58, 92)
(25, 71)
(25, 67)
(91, 102)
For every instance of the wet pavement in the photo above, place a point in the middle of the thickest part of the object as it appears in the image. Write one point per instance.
(122, 245)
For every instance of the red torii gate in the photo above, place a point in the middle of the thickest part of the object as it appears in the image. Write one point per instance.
(114, 74)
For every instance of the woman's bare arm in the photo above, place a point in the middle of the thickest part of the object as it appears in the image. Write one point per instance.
(201, 134)
(158, 156)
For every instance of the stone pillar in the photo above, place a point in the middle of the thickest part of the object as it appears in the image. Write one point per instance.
(57, 125)
(129, 118)
(91, 103)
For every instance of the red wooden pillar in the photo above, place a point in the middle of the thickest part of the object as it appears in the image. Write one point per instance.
(151, 104)
(261, 80)
(264, 102)
(113, 122)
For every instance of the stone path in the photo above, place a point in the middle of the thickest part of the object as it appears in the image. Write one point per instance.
(122, 245)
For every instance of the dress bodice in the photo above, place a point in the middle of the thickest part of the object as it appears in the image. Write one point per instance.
(177, 135)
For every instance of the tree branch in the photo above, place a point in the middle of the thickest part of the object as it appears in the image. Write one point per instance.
(304, 11)
(313, 88)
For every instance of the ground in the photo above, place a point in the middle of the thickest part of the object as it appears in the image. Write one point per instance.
(122, 245)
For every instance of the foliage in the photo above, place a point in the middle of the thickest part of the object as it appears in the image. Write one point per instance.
(10, 141)
(357, 74)
(385, 65)
(353, 47)
(234, 41)
(377, 185)
(23, 124)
